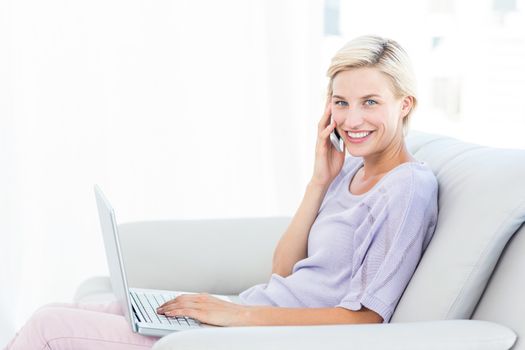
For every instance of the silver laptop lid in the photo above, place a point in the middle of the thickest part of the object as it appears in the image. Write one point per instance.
(119, 281)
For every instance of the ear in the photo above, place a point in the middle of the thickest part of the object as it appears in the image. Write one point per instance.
(406, 105)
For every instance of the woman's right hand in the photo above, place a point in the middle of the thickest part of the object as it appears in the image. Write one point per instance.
(328, 161)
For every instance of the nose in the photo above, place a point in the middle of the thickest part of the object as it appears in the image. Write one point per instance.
(353, 119)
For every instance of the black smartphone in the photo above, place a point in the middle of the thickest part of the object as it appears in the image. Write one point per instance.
(336, 139)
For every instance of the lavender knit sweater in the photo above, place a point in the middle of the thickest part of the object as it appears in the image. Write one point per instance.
(362, 249)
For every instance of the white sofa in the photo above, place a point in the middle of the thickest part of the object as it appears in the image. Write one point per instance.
(467, 292)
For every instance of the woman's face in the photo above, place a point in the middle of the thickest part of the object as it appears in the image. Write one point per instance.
(368, 114)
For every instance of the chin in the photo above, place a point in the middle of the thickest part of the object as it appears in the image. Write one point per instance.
(356, 153)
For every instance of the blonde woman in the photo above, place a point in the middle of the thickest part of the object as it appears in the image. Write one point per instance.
(351, 248)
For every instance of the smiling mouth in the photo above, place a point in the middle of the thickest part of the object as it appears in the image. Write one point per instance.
(358, 135)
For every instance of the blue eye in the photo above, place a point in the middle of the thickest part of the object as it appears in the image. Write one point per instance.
(337, 103)
(370, 102)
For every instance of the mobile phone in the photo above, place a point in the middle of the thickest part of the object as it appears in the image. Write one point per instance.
(336, 139)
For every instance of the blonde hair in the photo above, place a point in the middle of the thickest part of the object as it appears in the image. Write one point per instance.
(384, 54)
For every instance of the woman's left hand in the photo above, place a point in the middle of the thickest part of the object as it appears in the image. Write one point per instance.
(207, 309)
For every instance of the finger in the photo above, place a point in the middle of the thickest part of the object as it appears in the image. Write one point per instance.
(325, 119)
(161, 310)
(326, 132)
(163, 307)
(169, 302)
(184, 312)
(174, 308)
(179, 298)
(184, 300)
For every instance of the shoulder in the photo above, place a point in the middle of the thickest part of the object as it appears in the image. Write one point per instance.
(415, 180)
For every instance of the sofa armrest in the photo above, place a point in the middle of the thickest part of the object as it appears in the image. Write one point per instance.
(95, 289)
(221, 256)
(439, 335)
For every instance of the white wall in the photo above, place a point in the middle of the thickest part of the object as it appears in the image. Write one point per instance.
(177, 109)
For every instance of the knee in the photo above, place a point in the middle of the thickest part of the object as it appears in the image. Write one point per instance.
(48, 322)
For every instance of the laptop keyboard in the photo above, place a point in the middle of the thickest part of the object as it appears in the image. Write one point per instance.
(148, 303)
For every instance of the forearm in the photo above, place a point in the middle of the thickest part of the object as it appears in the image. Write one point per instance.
(292, 246)
(278, 316)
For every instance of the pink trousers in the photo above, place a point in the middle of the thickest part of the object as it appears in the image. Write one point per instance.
(77, 326)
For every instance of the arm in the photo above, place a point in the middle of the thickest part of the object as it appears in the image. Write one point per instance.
(292, 246)
(279, 316)
(211, 310)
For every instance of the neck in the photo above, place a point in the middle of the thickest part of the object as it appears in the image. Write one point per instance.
(381, 163)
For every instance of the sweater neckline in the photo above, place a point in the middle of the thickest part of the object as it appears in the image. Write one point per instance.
(359, 165)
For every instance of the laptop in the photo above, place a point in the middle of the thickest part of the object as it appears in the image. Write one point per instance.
(139, 304)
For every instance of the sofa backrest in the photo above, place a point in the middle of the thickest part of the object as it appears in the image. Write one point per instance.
(503, 300)
(481, 206)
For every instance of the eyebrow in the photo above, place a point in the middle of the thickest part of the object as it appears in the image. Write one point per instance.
(362, 98)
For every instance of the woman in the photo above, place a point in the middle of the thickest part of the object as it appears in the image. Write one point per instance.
(351, 248)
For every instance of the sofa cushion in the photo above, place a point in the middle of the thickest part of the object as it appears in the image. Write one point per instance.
(481, 204)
